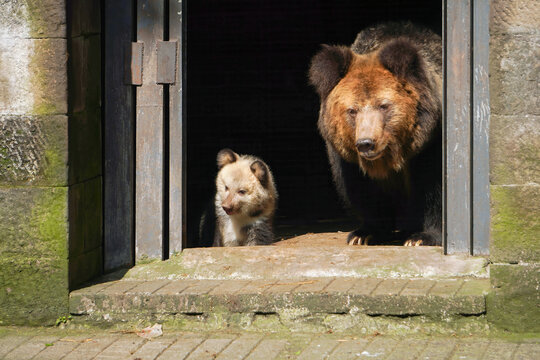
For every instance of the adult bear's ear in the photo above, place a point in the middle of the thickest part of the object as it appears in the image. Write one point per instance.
(226, 156)
(329, 66)
(401, 58)
(260, 171)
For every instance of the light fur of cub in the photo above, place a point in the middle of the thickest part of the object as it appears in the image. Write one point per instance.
(245, 201)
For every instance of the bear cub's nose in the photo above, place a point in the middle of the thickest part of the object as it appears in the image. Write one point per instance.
(365, 145)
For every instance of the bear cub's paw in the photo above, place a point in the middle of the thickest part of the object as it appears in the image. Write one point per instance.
(358, 237)
(422, 239)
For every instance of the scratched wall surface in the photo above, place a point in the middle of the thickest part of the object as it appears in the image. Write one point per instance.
(515, 164)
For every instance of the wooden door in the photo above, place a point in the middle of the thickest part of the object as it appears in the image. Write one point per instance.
(143, 131)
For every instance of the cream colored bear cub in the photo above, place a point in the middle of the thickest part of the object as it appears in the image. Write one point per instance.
(245, 201)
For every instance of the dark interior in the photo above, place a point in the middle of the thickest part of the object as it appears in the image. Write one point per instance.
(247, 89)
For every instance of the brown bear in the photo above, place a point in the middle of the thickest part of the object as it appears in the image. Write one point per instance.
(380, 117)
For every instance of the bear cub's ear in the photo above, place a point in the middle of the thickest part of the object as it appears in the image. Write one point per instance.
(226, 156)
(258, 168)
(401, 58)
(329, 66)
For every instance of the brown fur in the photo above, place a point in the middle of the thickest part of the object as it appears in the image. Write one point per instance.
(371, 102)
(381, 112)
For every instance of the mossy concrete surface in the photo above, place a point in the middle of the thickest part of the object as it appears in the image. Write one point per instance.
(317, 305)
(33, 255)
(515, 224)
(514, 302)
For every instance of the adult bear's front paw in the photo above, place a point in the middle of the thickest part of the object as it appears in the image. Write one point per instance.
(421, 239)
(358, 237)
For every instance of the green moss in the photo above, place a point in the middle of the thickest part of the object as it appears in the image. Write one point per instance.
(54, 164)
(48, 71)
(33, 281)
(515, 223)
(49, 218)
(40, 83)
(43, 109)
(514, 301)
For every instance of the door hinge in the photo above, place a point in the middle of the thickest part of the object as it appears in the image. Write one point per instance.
(166, 62)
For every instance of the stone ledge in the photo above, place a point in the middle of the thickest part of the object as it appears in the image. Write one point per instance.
(129, 300)
(312, 258)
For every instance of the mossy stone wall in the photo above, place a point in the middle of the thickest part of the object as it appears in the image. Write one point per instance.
(514, 302)
(50, 155)
(33, 162)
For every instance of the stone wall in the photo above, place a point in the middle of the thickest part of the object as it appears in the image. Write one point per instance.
(514, 303)
(50, 155)
(33, 162)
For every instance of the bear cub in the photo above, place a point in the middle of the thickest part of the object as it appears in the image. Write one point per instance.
(244, 205)
(380, 117)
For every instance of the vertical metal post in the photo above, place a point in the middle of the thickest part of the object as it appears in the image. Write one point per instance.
(149, 136)
(480, 128)
(177, 144)
(457, 104)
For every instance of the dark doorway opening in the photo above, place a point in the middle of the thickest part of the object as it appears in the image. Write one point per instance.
(247, 89)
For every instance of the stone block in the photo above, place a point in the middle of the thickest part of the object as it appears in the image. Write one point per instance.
(49, 76)
(515, 223)
(514, 149)
(514, 301)
(33, 18)
(33, 222)
(85, 214)
(85, 17)
(85, 69)
(33, 255)
(33, 76)
(514, 85)
(16, 95)
(85, 148)
(514, 16)
(33, 150)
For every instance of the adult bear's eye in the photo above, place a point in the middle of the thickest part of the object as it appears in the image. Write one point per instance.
(384, 106)
(352, 111)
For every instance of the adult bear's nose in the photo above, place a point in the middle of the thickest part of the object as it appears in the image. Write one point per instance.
(365, 145)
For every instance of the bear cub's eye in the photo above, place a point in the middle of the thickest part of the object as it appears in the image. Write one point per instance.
(352, 111)
(242, 192)
(384, 106)
(226, 188)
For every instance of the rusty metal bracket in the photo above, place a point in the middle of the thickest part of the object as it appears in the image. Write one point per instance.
(166, 62)
(133, 63)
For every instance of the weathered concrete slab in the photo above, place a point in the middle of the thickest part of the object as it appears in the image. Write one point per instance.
(121, 302)
(305, 258)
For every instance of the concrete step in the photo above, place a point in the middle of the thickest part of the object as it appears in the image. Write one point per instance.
(317, 288)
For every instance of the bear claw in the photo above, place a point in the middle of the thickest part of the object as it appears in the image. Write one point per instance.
(413, 242)
(359, 240)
